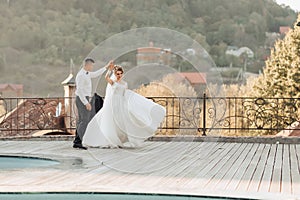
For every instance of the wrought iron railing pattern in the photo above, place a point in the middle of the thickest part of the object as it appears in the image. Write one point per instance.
(184, 115)
(229, 115)
(27, 116)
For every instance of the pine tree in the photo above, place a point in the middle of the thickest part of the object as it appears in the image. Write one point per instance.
(280, 80)
(281, 76)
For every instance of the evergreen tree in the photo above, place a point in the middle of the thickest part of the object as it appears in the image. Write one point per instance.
(281, 75)
(280, 79)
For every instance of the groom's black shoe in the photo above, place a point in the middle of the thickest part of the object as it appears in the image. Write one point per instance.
(79, 146)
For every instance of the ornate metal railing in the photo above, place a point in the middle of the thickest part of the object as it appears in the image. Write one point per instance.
(184, 115)
(32, 116)
(229, 115)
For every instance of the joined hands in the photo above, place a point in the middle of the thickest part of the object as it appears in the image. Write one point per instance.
(110, 65)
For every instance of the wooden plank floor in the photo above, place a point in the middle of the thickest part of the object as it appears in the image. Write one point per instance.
(249, 170)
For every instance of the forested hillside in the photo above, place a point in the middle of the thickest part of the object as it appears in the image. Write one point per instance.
(39, 37)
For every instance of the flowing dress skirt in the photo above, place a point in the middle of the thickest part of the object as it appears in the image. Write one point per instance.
(126, 119)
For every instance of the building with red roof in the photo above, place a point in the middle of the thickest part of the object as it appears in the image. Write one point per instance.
(284, 30)
(11, 90)
(195, 78)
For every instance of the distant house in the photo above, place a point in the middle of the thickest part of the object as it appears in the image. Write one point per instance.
(148, 55)
(11, 90)
(283, 30)
(196, 79)
(235, 51)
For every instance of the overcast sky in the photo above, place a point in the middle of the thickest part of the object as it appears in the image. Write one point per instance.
(294, 4)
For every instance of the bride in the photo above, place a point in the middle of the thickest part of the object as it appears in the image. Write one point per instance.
(126, 119)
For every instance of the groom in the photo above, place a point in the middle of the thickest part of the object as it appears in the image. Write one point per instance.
(83, 93)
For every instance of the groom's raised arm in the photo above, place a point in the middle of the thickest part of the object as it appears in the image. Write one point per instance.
(100, 71)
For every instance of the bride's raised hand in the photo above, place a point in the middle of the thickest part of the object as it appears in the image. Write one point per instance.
(107, 76)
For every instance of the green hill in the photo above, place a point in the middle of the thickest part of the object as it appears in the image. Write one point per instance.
(39, 37)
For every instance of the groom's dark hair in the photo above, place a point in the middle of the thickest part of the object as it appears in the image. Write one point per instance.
(89, 60)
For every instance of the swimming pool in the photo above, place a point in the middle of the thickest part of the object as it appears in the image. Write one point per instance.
(15, 162)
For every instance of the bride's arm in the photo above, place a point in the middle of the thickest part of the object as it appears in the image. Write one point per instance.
(107, 77)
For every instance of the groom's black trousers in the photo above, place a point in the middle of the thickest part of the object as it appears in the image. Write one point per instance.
(84, 117)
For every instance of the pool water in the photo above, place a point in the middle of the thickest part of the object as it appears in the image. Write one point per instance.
(97, 196)
(13, 162)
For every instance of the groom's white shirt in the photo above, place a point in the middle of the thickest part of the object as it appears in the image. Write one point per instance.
(84, 83)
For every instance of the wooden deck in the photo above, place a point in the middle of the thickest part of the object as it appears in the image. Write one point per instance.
(249, 170)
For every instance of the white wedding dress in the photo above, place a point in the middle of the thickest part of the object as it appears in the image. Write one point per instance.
(126, 119)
